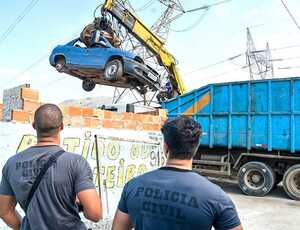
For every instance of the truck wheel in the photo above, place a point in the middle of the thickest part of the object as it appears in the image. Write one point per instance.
(291, 182)
(88, 85)
(113, 70)
(256, 178)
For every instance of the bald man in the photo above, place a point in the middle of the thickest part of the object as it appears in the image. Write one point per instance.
(67, 183)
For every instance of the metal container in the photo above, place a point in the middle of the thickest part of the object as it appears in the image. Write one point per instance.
(262, 114)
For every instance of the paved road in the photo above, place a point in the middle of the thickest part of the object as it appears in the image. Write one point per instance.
(272, 212)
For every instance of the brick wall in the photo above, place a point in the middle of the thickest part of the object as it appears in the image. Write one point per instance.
(26, 101)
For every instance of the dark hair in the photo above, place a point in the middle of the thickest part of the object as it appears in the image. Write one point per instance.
(182, 137)
(48, 119)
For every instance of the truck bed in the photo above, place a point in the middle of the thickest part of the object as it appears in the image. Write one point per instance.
(260, 115)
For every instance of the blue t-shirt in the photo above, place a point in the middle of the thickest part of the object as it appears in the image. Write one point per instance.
(172, 198)
(53, 204)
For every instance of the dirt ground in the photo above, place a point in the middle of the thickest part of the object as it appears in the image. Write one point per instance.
(272, 212)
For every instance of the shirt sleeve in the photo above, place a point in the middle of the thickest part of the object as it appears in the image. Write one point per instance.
(83, 176)
(5, 187)
(123, 201)
(227, 217)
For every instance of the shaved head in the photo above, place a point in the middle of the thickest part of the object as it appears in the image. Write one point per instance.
(48, 120)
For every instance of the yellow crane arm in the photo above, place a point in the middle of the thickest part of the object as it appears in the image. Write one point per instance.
(142, 33)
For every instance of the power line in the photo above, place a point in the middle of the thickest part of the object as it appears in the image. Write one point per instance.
(205, 8)
(285, 47)
(225, 73)
(195, 24)
(31, 66)
(214, 64)
(236, 56)
(288, 67)
(13, 25)
(291, 15)
(145, 6)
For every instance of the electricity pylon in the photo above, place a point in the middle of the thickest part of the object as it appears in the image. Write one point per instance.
(259, 61)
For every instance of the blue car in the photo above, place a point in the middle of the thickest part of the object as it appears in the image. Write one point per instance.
(104, 65)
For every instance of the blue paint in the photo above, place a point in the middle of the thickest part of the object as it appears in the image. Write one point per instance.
(95, 58)
(261, 114)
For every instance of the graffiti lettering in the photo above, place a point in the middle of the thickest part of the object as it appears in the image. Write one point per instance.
(113, 150)
(130, 171)
(112, 178)
(26, 141)
(86, 144)
(71, 143)
(121, 172)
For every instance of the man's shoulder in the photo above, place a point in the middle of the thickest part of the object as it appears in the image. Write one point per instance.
(184, 178)
(73, 158)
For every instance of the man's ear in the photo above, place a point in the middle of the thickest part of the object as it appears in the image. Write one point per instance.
(166, 149)
(33, 125)
(62, 126)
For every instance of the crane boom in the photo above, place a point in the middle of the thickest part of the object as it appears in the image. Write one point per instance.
(148, 39)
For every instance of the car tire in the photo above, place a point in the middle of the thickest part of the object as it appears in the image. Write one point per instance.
(60, 64)
(113, 70)
(291, 182)
(256, 178)
(88, 85)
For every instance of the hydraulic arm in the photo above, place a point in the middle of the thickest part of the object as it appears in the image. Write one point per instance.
(147, 38)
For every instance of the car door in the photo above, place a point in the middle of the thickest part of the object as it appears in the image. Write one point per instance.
(97, 57)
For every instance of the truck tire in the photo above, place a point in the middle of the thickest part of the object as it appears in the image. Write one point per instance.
(113, 70)
(291, 182)
(256, 178)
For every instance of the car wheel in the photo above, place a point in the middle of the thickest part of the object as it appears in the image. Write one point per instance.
(256, 178)
(291, 182)
(88, 85)
(113, 70)
(60, 64)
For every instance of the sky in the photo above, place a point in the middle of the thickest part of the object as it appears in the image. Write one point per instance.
(220, 34)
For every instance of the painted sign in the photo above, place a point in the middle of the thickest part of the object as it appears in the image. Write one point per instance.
(123, 154)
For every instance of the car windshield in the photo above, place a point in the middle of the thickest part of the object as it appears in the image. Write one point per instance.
(103, 42)
(73, 42)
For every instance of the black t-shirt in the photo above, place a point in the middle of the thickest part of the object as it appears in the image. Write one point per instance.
(170, 199)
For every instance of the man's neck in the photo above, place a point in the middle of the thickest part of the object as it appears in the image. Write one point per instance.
(42, 141)
(178, 163)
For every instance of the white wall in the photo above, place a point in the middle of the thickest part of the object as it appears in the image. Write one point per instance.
(123, 154)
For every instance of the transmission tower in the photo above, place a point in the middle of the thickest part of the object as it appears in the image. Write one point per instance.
(161, 28)
(259, 61)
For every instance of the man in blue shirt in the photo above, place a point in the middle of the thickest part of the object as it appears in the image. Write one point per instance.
(53, 205)
(174, 197)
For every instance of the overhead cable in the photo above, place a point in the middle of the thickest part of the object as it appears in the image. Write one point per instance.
(290, 14)
(13, 25)
(214, 64)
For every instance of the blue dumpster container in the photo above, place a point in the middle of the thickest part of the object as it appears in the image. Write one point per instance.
(263, 114)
